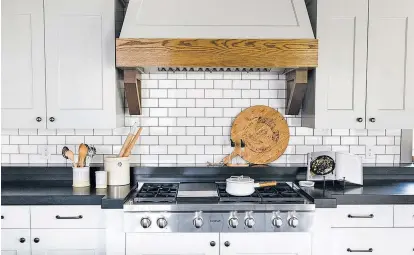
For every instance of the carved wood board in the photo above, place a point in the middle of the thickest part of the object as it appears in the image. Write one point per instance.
(264, 131)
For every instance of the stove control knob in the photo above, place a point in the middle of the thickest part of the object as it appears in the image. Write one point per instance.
(198, 222)
(233, 222)
(293, 222)
(249, 222)
(162, 222)
(277, 221)
(145, 222)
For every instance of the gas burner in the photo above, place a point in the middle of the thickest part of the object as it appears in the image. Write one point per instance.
(226, 197)
(157, 193)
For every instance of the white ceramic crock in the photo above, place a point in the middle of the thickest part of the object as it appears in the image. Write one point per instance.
(117, 169)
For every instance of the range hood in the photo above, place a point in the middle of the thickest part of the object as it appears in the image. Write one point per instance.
(217, 33)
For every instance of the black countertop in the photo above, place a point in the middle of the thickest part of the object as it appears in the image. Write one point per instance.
(53, 185)
(373, 192)
(52, 193)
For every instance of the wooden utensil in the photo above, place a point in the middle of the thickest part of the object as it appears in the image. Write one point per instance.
(264, 131)
(132, 143)
(68, 154)
(83, 151)
(126, 144)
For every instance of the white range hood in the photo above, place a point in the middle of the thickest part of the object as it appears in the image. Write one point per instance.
(208, 19)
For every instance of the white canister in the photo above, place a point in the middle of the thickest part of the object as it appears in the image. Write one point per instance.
(81, 177)
(117, 169)
(101, 179)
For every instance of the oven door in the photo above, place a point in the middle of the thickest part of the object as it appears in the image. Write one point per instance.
(265, 243)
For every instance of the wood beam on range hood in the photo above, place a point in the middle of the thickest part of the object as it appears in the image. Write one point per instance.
(283, 53)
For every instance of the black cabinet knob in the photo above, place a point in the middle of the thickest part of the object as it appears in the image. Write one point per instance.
(360, 119)
(227, 243)
(2, 217)
(22, 240)
(52, 119)
(212, 243)
(38, 119)
(372, 119)
(36, 240)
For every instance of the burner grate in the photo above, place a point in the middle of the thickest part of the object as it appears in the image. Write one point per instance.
(282, 192)
(226, 197)
(157, 193)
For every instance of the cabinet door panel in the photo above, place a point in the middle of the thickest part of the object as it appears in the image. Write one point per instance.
(23, 66)
(11, 243)
(172, 243)
(68, 241)
(390, 64)
(266, 243)
(80, 60)
(341, 73)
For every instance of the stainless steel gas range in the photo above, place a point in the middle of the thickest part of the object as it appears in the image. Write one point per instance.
(207, 207)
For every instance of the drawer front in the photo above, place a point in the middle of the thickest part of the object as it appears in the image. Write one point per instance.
(362, 241)
(15, 241)
(362, 216)
(404, 216)
(15, 217)
(67, 217)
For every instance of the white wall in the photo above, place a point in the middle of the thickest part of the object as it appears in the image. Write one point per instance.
(187, 119)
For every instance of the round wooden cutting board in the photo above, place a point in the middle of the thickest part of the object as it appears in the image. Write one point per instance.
(264, 131)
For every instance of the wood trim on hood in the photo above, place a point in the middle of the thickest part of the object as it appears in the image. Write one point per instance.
(281, 53)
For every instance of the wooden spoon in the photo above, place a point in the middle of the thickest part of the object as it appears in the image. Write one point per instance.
(83, 151)
(132, 143)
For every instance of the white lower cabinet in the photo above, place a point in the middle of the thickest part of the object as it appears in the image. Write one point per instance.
(378, 241)
(265, 243)
(68, 241)
(15, 242)
(172, 243)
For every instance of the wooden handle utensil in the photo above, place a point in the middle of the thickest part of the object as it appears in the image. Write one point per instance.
(267, 184)
(83, 151)
(68, 154)
(126, 144)
(132, 143)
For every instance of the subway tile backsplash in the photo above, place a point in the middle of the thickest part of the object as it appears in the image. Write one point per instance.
(187, 120)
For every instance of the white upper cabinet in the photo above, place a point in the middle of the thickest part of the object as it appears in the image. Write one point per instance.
(341, 74)
(80, 63)
(22, 64)
(58, 64)
(365, 76)
(390, 86)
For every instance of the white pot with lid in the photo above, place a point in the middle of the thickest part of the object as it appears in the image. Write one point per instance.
(244, 185)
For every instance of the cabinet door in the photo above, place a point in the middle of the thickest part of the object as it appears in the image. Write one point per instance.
(172, 244)
(341, 74)
(22, 64)
(390, 64)
(265, 243)
(68, 241)
(15, 242)
(80, 63)
(404, 242)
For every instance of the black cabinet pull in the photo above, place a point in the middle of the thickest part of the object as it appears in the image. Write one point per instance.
(51, 119)
(36, 240)
(361, 216)
(360, 119)
(69, 217)
(372, 120)
(212, 243)
(38, 119)
(22, 240)
(2, 217)
(350, 250)
(227, 243)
